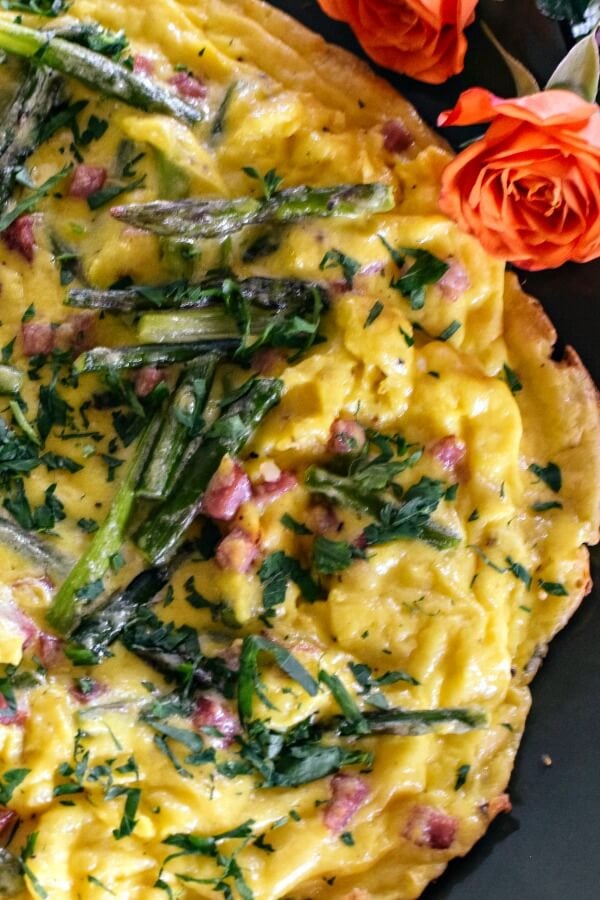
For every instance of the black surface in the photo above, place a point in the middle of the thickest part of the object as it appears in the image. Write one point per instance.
(549, 847)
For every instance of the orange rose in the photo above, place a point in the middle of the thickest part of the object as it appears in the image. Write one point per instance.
(529, 189)
(420, 38)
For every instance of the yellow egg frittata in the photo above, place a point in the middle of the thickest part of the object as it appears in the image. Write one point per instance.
(294, 496)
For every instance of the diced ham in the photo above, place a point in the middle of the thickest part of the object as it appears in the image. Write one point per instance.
(19, 237)
(143, 65)
(451, 453)
(146, 380)
(76, 333)
(49, 649)
(227, 490)
(346, 436)
(322, 518)
(11, 718)
(237, 551)
(454, 282)
(267, 491)
(214, 713)
(348, 793)
(93, 690)
(396, 138)
(428, 826)
(188, 86)
(87, 180)
(8, 820)
(38, 337)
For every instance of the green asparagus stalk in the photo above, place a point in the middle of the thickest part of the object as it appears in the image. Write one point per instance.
(11, 380)
(89, 643)
(161, 533)
(37, 95)
(100, 359)
(218, 218)
(98, 72)
(178, 428)
(107, 541)
(267, 293)
(37, 551)
(208, 324)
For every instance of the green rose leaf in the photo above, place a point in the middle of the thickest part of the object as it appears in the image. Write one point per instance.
(579, 71)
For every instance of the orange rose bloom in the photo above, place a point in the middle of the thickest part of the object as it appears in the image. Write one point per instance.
(420, 38)
(530, 188)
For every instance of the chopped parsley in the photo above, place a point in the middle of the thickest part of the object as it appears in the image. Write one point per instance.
(556, 588)
(519, 572)
(462, 773)
(349, 266)
(447, 333)
(546, 505)
(330, 557)
(293, 525)
(426, 269)
(512, 379)
(275, 573)
(550, 475)
(347, 839)
(374, 313)
(269, 182)
(249, 683)
(132, 802)
(9, 782)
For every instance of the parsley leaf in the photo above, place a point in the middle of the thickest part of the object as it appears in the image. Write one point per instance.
(462, 773)
(426, 269)
(447, 333)
(269, 182)
(9, 782)
(348, 265)
(32, 199)
(374, 313)
(345, 701)
(512, 379)
(550, 475)
(556, 588)
(519, 572)
(132, 802)
(292, 525)
(275, 573)
(330, 557)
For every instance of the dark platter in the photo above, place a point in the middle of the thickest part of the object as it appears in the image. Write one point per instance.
(548, 848)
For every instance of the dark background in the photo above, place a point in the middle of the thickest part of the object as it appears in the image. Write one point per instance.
(548, 848)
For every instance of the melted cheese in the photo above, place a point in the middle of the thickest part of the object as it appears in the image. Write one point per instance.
(465, 630)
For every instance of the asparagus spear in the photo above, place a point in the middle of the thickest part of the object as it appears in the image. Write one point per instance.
(36, 96)
(134, 357)
(107, 541)
(177, 428)
(32, 548)
(98, 72)
(269, 293)
(160, 534)
(90, 641)
(208, 324)
(218, 218)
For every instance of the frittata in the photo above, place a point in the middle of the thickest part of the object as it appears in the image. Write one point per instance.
(294, 495)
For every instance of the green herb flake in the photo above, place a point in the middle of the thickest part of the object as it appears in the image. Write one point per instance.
(426, 269)
(374, 313)
(28, 314)
(519, 572)
(9, 782)
(128, 821)
(556, 588)
(512, 379)
(349, 266)
(347, 839)
(293, 525)
(550, 475)
(97, 883)
(447, 333)
(330, 557)
(407, 337)
(544, 506)
(269, 182)
(88, 525)
(462, 773)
